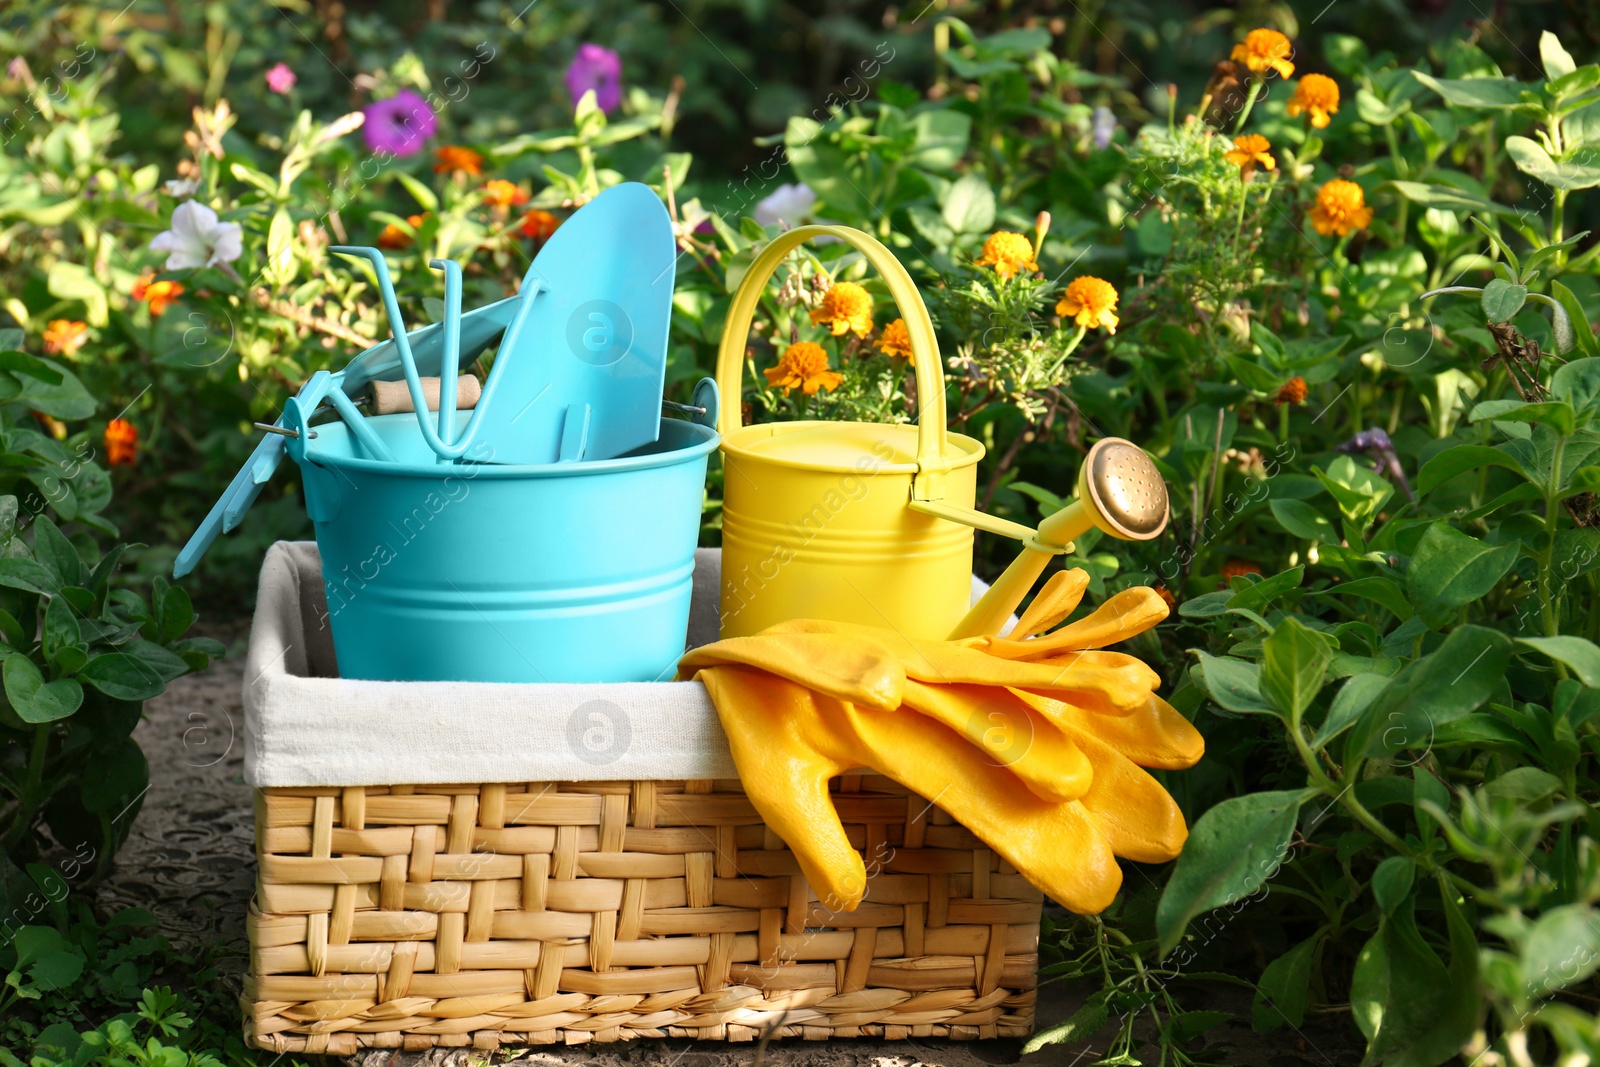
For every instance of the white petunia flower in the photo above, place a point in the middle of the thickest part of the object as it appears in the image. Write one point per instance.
(787, 203)
(198, 239)
(181, 188)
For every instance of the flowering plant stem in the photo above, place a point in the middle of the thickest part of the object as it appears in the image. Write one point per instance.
(1249, 103)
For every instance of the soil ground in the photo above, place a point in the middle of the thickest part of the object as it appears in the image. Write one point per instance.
(189, 859)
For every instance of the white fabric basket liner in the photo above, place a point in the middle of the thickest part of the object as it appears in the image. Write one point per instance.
(305, 726)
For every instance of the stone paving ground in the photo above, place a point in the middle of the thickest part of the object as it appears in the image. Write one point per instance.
(189, 859)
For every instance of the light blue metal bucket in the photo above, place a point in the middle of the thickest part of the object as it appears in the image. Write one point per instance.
(472, 571)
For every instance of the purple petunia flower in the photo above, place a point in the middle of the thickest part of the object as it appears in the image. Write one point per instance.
(597, 68)
(1104, 126)
(399, 125)
(280, 79)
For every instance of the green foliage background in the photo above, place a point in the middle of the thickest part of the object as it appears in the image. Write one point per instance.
(1387, 597)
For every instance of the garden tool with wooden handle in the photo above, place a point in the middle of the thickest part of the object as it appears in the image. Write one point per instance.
(1033, 745)
(1120, 491)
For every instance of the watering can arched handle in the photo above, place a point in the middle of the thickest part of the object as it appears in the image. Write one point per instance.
(932, 460)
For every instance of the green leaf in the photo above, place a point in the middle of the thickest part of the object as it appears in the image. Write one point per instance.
(1493, 93)
(1578, 383)
(1525, 785)
(1376, 588)
(1294, 662)
(1459, 460)
(123, 676)
(1502, 299)
(1233, 683)
(1578, 653)
(1449, 568)
(1359, 492)
(74, 281)
(176, 614)
(19, 572)
(1353, 698)
(1231, 852)
(60, 627)
(1413, 1011)
(1285, 988)
(22, 363)
(941, 139)
(52, 548)
(1562, 949)
(1447, 198)
(1303, 520)
(824, 168)
(56, 971)
(1450, 682)
(33, 700)
(1083, 1025)
(11, 630)
(1391, 882)
(1206, 605)
(1569, 175)
(969, 206)
(1258, 594)
(1558, 414)
(1557, 61)
(1583, 333)
(66, 399)
(424, 196)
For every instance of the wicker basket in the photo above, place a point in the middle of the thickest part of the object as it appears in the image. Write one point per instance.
(481, 915)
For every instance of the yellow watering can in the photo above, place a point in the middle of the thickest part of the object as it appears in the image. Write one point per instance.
(872, 522)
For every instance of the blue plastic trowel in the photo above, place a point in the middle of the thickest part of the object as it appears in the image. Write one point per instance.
(585, 359)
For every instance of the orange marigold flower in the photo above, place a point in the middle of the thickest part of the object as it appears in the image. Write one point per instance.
(1293, 391)
(1263, 50)
(1008, 253)
(454, 157)
(1248, 151)
(846, 308)
(1238, 568)
(539, 225)
(159, 295)
(394, 237)
(1316, 95)
(1341, 208)
(1089, 302)
(804, 365)
(501, 193)
(63, 337)
(895, 340)
(122, 443)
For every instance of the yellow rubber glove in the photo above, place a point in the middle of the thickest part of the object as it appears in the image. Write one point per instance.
(855, 666)
(1112, 681)
(1032, 744)
(788, 741)
(1056, 599)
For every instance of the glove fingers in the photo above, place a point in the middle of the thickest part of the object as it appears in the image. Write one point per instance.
(1124, 615)
(1136, 815)
(1155, 735)
(1111, 682)
(1057, 599)
(1008, 734)
(1057, 846)
(794, 751)
(851, 668)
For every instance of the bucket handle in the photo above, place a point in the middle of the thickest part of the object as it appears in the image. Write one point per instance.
(932, 460)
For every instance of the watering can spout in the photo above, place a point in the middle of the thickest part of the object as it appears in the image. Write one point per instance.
(1120, 492)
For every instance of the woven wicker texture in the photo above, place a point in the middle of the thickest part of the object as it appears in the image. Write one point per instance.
(486, 915)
